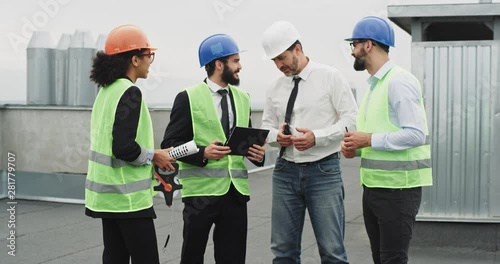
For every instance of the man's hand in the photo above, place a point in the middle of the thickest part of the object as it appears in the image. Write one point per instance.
(216, 151)
(163, 160)
(304, 142)
(356, 140)
(283, 140)
(348, 153)
(256, 153)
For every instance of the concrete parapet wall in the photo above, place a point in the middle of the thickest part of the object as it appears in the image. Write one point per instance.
(49, 139)
(482, 236)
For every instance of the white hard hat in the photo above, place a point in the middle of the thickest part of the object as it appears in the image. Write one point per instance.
(279, 37)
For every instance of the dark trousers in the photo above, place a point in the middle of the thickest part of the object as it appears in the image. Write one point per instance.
(389, 216)
(230, 233)
(129, 238)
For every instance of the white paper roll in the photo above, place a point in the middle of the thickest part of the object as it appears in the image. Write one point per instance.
(184, 150)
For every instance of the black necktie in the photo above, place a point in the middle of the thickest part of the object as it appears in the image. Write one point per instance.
(225, 112)
(289, 108)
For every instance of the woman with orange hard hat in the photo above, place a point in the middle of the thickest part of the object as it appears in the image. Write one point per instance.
(119, 184)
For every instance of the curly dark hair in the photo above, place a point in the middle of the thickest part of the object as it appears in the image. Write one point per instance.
(107, 68)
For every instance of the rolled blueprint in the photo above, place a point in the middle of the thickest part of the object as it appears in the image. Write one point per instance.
(184, 150)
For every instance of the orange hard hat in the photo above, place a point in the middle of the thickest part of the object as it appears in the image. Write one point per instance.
(126, 38)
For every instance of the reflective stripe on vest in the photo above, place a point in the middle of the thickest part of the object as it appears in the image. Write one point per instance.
(213, 173)
(122, 188)
(391, 165)
(214, 179)
(106, 160)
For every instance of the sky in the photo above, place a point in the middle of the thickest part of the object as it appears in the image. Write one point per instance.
(177, 28)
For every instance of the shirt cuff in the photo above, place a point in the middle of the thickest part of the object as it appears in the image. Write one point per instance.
(320, 137)
(144, 158)
(378, 141)
(272, 137)
(150, 155)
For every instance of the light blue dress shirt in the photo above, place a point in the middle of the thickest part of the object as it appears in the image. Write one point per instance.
(404, 112)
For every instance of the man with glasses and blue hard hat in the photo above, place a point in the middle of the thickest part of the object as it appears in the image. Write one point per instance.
(215, 183)
(392, 138)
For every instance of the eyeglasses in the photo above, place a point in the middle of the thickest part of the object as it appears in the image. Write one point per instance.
(353, 44)
(150, 55)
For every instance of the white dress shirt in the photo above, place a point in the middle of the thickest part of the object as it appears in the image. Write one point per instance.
(404, 111)
(325, 104)
(217, 97)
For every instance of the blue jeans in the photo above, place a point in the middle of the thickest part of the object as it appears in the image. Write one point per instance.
(318, 187)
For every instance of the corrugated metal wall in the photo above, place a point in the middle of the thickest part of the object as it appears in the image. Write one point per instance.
(461, 94)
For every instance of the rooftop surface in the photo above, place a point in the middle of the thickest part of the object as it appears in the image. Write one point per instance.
(58, 233)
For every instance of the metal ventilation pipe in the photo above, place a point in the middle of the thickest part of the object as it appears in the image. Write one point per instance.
(61, 70)
(81, 90)
(40, 69)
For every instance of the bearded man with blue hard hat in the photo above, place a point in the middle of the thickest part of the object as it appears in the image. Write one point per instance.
(215, 183)
(392, 139)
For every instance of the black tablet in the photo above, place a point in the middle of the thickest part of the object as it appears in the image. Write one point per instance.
(241, 138)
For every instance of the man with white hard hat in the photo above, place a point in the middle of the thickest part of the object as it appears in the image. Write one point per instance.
(306, 111)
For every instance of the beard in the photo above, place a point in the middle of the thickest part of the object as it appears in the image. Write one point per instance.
(360, 62)
(228, 76)
(294, 68)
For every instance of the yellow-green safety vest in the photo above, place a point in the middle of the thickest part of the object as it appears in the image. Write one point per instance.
(113, 185)
(391, 169)
(215, 178)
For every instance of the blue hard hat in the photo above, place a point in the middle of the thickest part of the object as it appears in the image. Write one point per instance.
(216, 46)
(374, 28)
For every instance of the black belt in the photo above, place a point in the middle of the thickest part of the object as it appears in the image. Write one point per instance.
(335, 155)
